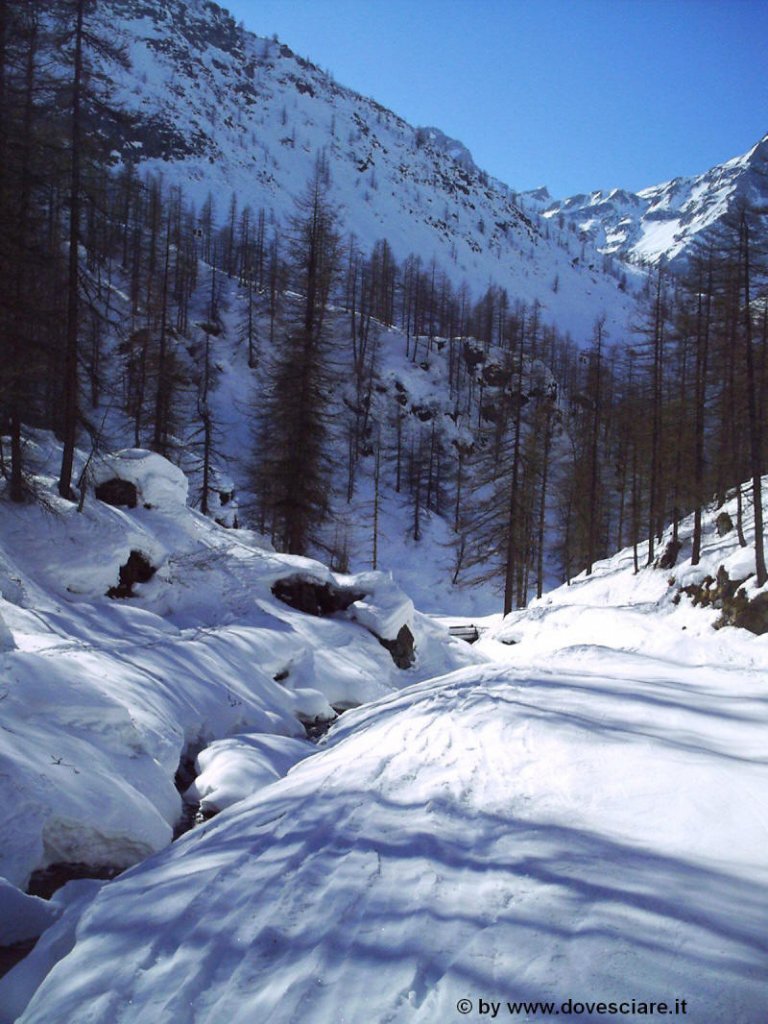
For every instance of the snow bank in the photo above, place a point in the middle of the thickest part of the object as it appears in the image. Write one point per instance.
(234, 768)
(385, 609)
(17, 988)
(101, 699)
(500, 833)
(583, 819)
(158, 482)
(648, 611)
(21, 916)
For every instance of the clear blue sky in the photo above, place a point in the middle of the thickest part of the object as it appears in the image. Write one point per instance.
(572, 94)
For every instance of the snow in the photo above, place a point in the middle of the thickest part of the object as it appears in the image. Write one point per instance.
(247, 116)
(386, 610)
(6, 637)
(574, 807)
(664, 220)
(21, 916)
(159, 483)
(101, 698)
(454, 841)
(229, 770)
(579, 811)
(17, 988)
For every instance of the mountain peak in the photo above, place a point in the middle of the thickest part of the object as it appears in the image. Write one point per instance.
(661, 222)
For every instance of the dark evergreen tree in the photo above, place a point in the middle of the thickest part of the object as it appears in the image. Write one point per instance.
(293, 456)
(82, 39)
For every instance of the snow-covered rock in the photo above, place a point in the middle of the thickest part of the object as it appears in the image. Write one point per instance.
(102, 699)
(239, 766)
(159, 484)
(385, 608)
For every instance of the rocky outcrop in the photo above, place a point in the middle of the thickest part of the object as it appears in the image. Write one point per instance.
(138, 569)
(117, 492)
(401, 648)
(315, 598)
(731, 598)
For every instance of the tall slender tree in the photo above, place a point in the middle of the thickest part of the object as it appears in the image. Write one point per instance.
(293, 459)
(81, 41)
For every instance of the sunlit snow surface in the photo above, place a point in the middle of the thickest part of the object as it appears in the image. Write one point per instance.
(100, 698)
(583, 816)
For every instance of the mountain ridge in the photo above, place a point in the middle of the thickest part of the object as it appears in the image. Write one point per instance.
(215, 108)
(664, 221)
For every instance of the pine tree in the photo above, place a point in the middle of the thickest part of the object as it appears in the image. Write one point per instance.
(755, 424)
(24, 265)
(82, 40)
(293, 461)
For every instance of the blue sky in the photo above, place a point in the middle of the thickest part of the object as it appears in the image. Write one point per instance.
(572, 94)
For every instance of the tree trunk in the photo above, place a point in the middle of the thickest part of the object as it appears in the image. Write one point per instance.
(755, 427)
(69, 428)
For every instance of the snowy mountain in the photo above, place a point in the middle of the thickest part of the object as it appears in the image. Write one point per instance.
(258, 788)
(216, 109)
(663, 221)
(575, 816)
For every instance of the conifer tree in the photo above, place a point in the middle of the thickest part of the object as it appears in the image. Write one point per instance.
(82, 39)
(293, 458)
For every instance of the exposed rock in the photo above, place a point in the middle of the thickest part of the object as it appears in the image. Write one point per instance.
(120, 493)
(668, 557)
(14, 953)
(186, 773)
(754, 615)
(496, 376)
(308, 595)
(317, 726)
(156, 482)
(490, 412)
(714, 593)
(723, 524)
(401, 649)
(44, 882)
(138, 569)
(730, 597)
(424, 413)
(473, 356)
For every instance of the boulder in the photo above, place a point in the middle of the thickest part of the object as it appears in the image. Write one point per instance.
(117, 492)
(723, 524)
(308, 595)
(754, 615)
(140, 476)
(401, 648)
(138, 569)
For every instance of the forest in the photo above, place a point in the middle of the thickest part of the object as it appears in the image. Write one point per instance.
(118, 296)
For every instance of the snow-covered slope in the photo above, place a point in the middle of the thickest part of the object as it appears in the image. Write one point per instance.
(583, 819)
(663, 221)
(217, 109)
(101, 697)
